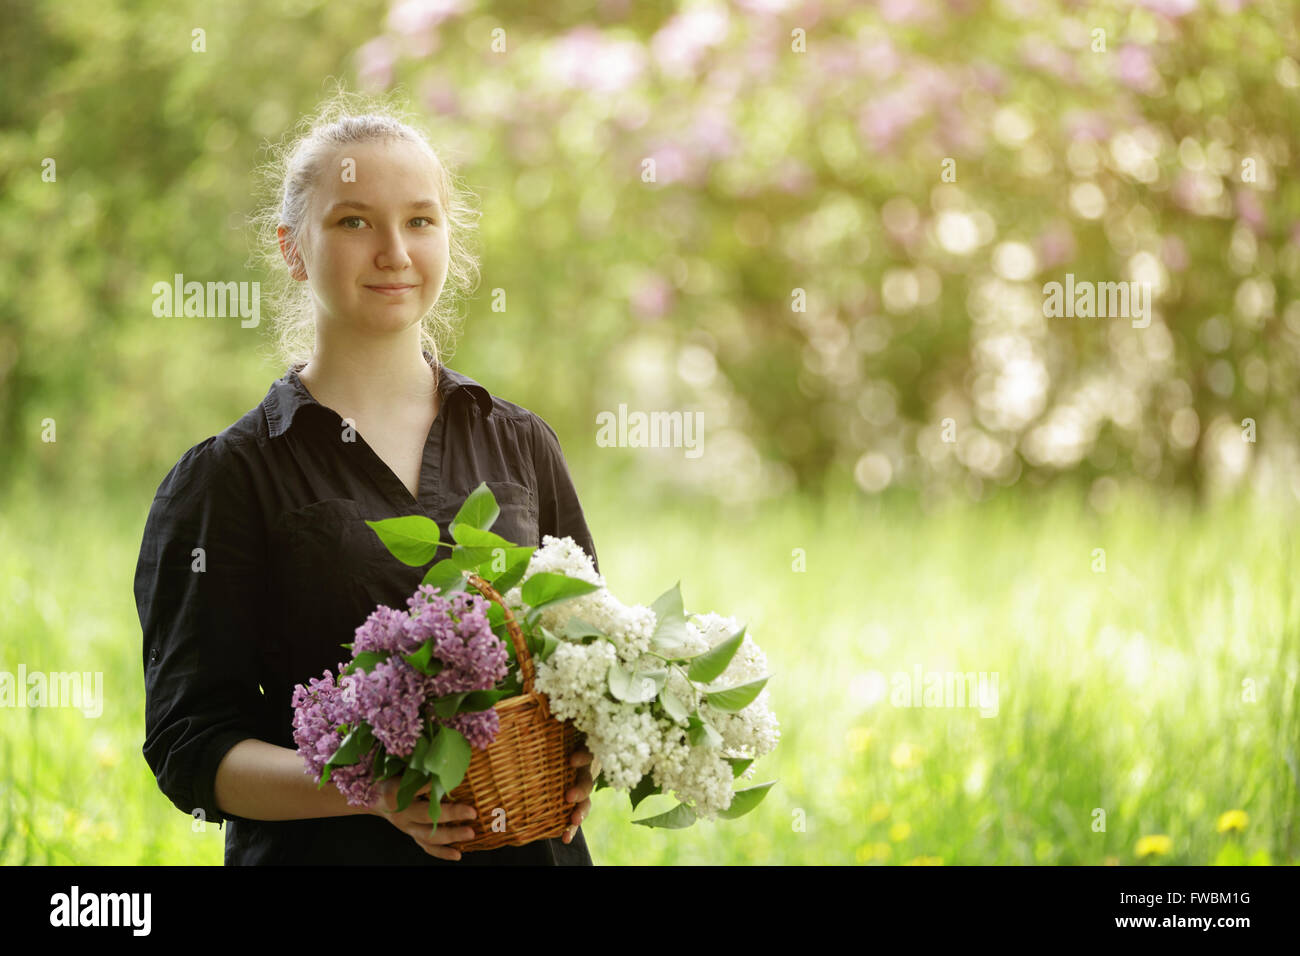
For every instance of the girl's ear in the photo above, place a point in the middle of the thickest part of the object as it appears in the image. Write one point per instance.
(292, 255)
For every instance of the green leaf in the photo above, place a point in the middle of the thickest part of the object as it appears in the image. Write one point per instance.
(673, 705)
(446, 707)
(645, 787)
(412, 539)
(436, 793)
(669, 604)
(735, 698)
(354, 746)
(516, 568)
(579, 630)
(470, 537)
(424, 661)
(742, 801)
(640, 684)
(469, 559)
(449, 757)
(531, 619)
(477, 700)
(701, 733)
(739, 764)
(416, 759)
(511, 686)
(446, 576)
(601, 782)
(678, 818)
(412, 781)
(547, 587)
(549, 643)
(670, 636)
(708, 666)
(365, 661)
(480, 510)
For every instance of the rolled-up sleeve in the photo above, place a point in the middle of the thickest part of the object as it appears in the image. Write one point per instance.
(198, 587)
(559, 511)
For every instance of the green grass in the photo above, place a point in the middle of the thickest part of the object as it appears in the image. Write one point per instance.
(1120, 691)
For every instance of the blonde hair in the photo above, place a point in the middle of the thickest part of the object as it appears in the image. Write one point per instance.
(288, 179)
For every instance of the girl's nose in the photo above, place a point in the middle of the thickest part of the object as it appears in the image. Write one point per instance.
(392, 252)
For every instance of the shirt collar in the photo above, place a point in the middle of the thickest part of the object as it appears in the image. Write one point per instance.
(287, 395)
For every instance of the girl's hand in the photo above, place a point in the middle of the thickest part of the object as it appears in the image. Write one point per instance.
(414, 820)
(581, 791)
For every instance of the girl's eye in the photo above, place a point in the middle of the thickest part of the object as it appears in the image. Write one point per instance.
(347, 219)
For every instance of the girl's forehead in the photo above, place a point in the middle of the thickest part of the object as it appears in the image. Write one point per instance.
(380, 172)
(399, 155)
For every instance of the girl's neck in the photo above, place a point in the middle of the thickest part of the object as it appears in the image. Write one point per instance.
(374, 379)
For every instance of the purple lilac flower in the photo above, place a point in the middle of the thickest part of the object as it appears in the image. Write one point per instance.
(384, 630)
(473, 657)
(392, 697)
(388, 698)
(479, 727)
(356, 783)
(318, 710)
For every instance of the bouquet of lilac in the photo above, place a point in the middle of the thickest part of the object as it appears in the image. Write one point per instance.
(417, 695)
(667, 701)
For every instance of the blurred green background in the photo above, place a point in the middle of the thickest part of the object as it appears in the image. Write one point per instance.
(840, 262)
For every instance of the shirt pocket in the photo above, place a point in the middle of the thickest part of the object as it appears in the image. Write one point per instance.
(333, 571)
(517, 522)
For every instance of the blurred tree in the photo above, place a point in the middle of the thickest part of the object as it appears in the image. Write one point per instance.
(826, 226)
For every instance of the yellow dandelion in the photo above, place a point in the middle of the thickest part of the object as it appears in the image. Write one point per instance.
(105, 831)
(925, 861)
(1156, 845)
(903, 756)
(870, 852)
(878, 812)
(900, 831)
(75, 824)
(1232, 820)
(858, 739)
(108, 756)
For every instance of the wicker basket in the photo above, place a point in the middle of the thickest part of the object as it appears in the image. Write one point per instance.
(525, 772)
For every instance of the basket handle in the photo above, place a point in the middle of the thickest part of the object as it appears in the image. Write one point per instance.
(525, 659)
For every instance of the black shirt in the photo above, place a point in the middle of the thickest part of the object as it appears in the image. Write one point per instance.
(256, 565)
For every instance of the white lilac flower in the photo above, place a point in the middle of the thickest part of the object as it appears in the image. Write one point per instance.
(628, 739)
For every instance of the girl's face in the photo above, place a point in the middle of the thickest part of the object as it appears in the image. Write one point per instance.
(374, 244)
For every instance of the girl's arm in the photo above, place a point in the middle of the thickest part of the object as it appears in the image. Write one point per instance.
(260, 781)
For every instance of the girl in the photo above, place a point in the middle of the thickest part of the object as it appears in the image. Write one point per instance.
(256, 563)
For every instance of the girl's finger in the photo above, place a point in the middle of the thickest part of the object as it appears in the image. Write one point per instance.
(580, 813)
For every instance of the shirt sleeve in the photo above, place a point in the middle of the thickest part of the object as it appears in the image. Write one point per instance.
(559, 511)
(198, 583)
